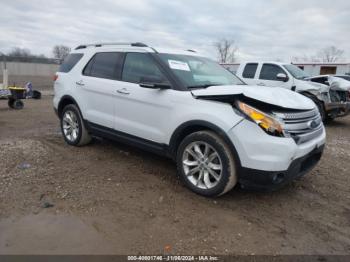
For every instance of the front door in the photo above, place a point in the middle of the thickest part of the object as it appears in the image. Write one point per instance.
(142, 112)
(268, 76)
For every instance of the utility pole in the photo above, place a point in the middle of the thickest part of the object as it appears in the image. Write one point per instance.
(4, 72)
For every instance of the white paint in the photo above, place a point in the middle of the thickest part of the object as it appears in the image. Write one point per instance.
(155, 114)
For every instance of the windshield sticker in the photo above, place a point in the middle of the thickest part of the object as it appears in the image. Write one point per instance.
(179, 65)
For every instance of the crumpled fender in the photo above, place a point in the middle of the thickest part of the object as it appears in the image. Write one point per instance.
(302, 86)
(338, 84)
(320, 91)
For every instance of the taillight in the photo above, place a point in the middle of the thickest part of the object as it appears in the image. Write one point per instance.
(55, 77)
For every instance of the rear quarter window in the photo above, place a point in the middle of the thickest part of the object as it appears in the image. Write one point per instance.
(107, 65)
(69, 62)
(250, 70)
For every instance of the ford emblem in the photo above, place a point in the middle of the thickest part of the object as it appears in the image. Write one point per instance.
(312, 124)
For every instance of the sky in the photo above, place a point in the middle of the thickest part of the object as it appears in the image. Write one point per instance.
(261, 29)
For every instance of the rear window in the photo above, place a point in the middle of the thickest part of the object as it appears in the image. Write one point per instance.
(69, 62)
(105, 65)
(250, 70)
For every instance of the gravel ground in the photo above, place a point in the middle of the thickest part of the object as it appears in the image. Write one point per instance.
(108, 198)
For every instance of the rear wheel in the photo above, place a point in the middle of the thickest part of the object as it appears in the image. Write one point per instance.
(206, 164)
(73, 128)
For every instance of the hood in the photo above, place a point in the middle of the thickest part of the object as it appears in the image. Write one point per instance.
(307, 85)
(271, 95)
(339, 84)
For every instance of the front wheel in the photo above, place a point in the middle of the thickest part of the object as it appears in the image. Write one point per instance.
(320, 107)
(73, 128)
(206, 164)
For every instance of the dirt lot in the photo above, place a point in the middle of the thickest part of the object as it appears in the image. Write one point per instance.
(110, 198)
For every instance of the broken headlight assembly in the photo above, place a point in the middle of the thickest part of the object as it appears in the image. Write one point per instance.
(269, 123)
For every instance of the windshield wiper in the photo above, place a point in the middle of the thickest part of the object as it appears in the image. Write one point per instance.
(203, 86)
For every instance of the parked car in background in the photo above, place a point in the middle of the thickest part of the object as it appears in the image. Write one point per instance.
(331, 101)
(345, 77)
(179, 104)
(339, 86)
(341, 82)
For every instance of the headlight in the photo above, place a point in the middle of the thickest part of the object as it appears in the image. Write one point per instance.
(268, 123)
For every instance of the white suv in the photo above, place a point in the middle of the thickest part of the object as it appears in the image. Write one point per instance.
(182, 105)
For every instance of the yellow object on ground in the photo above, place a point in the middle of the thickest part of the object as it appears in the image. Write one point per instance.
(16, 88)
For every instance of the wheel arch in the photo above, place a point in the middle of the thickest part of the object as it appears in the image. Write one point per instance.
(66, 100)
(198, 125)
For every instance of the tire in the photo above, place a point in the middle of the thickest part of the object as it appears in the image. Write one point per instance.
(195, 173)
(15, 104)
(73, 128)
(36, 94)
(320, 107)
(10, 102)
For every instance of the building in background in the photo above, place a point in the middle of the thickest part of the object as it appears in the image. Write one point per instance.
(21, 70)
(319, 68)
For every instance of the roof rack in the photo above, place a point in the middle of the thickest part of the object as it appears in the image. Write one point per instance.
(136, 44)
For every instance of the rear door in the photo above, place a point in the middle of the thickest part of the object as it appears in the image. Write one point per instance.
(98, 84)
(268, 76)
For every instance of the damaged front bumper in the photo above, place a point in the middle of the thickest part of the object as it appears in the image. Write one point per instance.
(337, 109)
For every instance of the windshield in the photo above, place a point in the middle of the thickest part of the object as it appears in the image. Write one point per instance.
(296, 71)
(199, 72)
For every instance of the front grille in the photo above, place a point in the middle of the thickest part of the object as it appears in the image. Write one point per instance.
(339, 96)
(302, 126)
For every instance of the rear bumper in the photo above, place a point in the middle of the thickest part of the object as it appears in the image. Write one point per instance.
(273, 180)
(337, 109)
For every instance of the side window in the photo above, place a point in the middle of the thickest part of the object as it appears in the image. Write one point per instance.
(105, 65)
(250, 70)
(69, 62)
(140, 65)
(269, 72)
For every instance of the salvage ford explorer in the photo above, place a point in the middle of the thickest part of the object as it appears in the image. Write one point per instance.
(219, 131)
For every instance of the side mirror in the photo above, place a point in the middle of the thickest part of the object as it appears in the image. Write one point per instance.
(154, 83)
(282, 77)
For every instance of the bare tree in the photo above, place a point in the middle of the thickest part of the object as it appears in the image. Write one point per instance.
(226, 50)
(330, 54)
(60, 51)
(20, 52)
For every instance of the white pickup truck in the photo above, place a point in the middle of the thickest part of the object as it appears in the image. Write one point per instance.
(291, 77)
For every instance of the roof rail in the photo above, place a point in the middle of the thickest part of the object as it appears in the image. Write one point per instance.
(136, 44)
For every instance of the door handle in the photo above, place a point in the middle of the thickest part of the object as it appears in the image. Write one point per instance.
(123, 91)
(261, 84)
(80, 83)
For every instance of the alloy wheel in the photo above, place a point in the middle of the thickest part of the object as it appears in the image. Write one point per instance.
(202, 165)
(70, 125)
